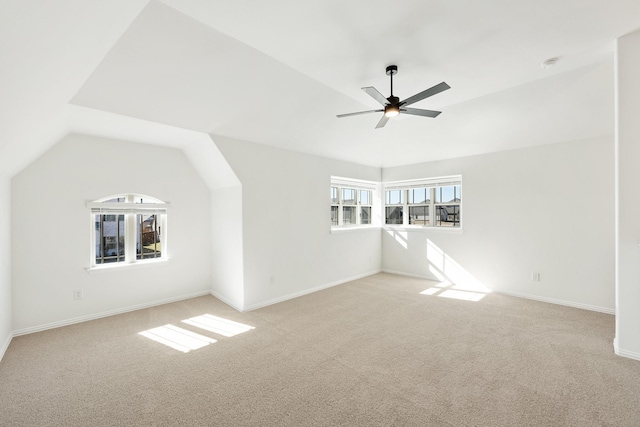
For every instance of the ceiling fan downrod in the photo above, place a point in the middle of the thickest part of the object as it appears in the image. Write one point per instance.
(391, 71)
(393, 109)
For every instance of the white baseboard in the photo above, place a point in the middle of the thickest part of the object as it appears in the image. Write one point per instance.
(108, 313)
(5, 345)
(226, 301)
(308, 291)
(558, 302)
(624, 353)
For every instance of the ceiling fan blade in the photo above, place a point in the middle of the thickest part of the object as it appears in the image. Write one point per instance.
(373, 92)
(383, 121)
(425, 94)
(358, 113)
(420, 112)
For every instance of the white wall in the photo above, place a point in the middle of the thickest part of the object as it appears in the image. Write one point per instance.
(287, 244)
(628, 199)
(51, 225)
(5, 264)
(546, 209)
(226, 242)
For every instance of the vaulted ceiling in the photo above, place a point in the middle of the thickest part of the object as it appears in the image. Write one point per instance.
(277, 73)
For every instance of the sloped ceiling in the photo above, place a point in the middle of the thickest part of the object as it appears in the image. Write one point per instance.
(278, 72)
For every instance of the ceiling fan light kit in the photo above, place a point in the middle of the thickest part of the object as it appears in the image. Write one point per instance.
(393, 106)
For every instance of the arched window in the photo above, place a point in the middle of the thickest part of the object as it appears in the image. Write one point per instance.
(128, 228)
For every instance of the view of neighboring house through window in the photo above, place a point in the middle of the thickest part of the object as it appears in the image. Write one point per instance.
(351, 202)
(364, 196)
(431, 202)
(128, 228)
(419, 203)
(394, 206)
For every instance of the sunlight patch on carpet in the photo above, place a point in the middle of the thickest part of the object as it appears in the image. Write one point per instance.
(462, 295)
(218, 325)
(177, 338)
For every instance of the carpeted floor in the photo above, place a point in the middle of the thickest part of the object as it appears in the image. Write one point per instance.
(373, 352)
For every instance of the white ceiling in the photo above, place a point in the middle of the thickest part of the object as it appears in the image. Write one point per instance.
(278, 72)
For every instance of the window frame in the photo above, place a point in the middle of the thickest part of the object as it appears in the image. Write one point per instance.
(434, 207)
(338, 205)
(131, 211)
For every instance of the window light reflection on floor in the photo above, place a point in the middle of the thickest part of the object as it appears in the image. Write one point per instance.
(177, 338)
(462, 295)
(218, 325)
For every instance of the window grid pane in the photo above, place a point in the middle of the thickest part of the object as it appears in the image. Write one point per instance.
(334, 215)
(147, 237)
(348, 196)
(394, 197)
(365, 215)
(334, 195)
(419, 196)
(365, 197)
(393, 215)
(419, 215)
(109, 238)
(349, 215)
(448, 215)
(448, 194)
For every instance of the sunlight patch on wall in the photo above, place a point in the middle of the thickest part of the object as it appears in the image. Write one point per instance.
(177, 338)
(400, 236)
(446, 268)
(455, 281)
(218, 325)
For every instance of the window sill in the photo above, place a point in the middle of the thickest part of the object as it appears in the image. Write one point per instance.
(337, 230)
(423, 229)
(99, 269)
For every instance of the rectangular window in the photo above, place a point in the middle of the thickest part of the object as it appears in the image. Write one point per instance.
(127, 230)
(351, 202)
(433, 202)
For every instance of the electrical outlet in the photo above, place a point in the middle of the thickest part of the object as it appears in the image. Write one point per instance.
(271, 280)
(535, 276)
(77, 294)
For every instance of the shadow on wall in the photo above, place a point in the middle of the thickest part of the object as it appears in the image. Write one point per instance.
(455, 281)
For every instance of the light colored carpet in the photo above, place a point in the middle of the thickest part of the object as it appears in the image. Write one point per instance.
(373, 352)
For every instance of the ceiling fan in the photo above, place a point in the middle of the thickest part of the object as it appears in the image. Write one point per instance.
(393, 106)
